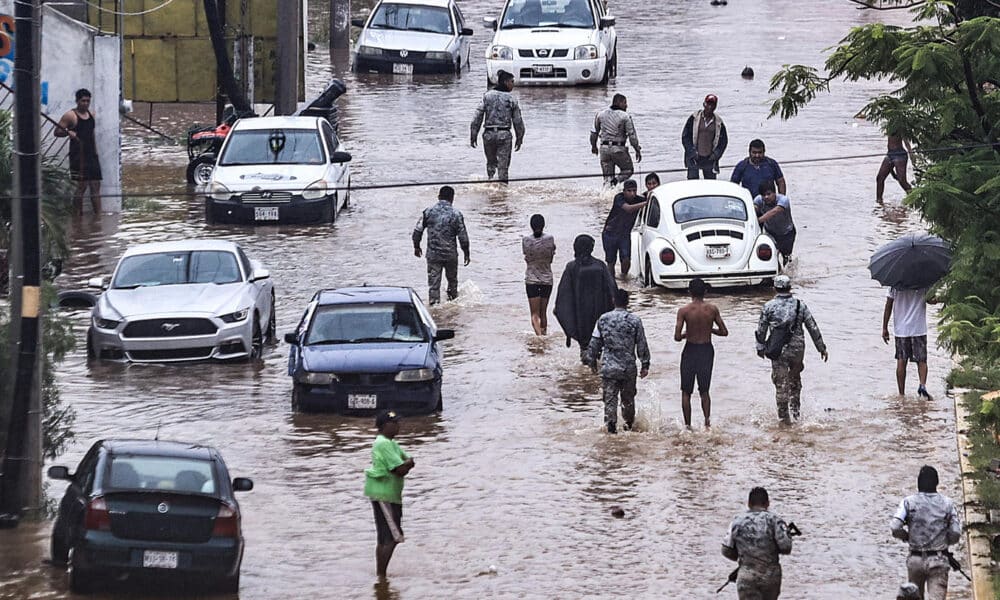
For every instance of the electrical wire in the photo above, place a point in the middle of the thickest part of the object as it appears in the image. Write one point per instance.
(128, 14)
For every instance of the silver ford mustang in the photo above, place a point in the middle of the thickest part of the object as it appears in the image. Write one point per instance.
(186, 300)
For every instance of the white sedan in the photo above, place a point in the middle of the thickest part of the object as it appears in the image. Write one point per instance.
(701, 228)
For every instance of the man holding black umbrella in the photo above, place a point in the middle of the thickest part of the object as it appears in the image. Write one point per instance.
(909, 324)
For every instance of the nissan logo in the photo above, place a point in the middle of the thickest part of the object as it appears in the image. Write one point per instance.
(404, 53)
(168, 327)
(162, 508)
(543, 53)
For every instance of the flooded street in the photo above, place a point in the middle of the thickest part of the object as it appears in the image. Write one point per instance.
(516, 472)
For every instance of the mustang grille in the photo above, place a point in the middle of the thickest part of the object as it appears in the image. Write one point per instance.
(171, 354)
(157, 328)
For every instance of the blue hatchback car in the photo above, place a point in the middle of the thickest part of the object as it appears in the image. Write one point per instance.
(361, 350)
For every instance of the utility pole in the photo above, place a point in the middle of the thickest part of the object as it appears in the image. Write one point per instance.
(220, 95)
(340, 25)
(22, 412)
(287, 76)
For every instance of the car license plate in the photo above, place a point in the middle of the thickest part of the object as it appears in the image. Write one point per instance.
(265, 213)
(717, 251)
(152, 559)
(542, 69)
(402, 69)
(362, 401)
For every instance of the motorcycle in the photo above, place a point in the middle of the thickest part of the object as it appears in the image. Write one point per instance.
(203, 145)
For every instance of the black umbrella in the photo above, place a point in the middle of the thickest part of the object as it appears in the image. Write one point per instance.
(914, 261)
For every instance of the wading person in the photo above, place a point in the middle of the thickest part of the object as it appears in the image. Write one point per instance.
(586, 291)
(908, 309)
(613, 128)
(617, 234)
(444, 225)
(756, 169)
(774, 213)
(539, 248)
(620, 337)
(755, 539)
(929, 522)
(496, 114)
(894, 163)
(704, 139)
(78, 125)
(697, 321)
(785, 314)
(384, 487)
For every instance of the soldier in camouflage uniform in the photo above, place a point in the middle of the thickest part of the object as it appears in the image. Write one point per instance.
(443, 224)
(755, 539)
(929, 522)
(614, 128)
(786, 370)
(620, 335)
(500, 110)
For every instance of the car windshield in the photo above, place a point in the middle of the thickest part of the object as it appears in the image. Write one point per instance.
(412, 17)
(273, 147)
(357, 323)
(709, 207)
(176, 268)
(548, 13)
(141, 472)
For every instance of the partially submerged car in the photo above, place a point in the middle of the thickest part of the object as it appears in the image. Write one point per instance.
(702, 228)
(413, 36)
(185, 300)
(149, 508)
(365, 349)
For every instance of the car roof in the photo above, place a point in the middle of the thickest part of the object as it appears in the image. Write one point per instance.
(440, 3)
(673, 190)
(354, 295)
(289, 122)
(160, 448)
(181, 245)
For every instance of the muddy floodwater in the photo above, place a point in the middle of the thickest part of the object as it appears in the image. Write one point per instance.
(516, 472)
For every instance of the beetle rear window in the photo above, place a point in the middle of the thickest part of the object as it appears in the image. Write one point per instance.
(709, 207)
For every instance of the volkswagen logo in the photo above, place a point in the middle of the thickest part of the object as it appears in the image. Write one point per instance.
(542, 53)
(168, 327)
(162, 508)
(404, 53)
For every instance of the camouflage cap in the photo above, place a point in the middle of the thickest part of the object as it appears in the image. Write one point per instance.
(908, 591)
(782, 282)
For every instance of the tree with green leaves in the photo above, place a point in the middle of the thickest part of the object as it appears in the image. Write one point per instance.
(945, 68)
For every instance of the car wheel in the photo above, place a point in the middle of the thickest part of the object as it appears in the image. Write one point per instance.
(229, 585)
(257, 340)
(271, 336)
(614, 63)
(91, 351)
(647, 274)
(80, 580)
(199, 170)
(458, 66)
(440, 403)
(298, 404)
(347, 193)
(208, 212)
(59, 546)
(607, 68)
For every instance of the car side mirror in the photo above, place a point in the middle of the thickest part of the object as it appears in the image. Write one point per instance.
(340, 157)
(242, 484)
(444, 334)
(491, 23)
(357, 22)
(259, 274)
(466, 31)
(97, 282)
(291, 338)
(59, 473)
(607, 22)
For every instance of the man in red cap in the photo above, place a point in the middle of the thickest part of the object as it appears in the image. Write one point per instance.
(704, 138)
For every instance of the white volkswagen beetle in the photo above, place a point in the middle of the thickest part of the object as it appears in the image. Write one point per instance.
(701, 228)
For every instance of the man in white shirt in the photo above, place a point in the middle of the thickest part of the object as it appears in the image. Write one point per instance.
(909, 324)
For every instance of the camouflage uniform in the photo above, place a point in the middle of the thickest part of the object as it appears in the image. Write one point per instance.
(500, 110)
(443, 224)
(614, 126)
(786, 370)
(930, 523)
(755, 539)
(620, 335)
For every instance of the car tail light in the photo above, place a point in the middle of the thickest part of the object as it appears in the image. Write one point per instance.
(764, 252)
(227, 522)
(667, 256)
(96, 516)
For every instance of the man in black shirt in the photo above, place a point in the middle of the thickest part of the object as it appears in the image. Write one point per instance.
(617, 234)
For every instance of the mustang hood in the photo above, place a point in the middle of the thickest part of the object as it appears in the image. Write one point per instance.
(172, 299)
(365, 358)
(545, 37)
(416, 41)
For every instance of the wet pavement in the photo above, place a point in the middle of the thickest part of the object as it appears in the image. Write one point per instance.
(516, 472)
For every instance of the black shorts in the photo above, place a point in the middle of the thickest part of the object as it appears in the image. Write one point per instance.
(912, 348)
(538, 290)
(696, 363)
(382, 525)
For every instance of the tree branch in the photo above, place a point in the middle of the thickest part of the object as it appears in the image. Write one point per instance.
(866, 5)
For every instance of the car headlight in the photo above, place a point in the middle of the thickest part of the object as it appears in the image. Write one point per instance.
(501, 53)
(106, 323)
(585, 52)
(415, 375)
(439, 56)
(236, 317)
(369, 51)
(315, 190)
(317, 378)
(219, 192)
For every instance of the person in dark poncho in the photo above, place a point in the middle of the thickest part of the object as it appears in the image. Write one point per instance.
(586, 291)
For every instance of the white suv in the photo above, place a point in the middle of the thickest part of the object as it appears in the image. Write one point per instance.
(553, 42)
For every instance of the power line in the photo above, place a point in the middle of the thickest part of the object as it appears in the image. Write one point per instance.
(128, 14)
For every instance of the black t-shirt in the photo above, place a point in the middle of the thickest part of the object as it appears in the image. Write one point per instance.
(619, 222)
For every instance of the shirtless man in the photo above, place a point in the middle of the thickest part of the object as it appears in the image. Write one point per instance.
(701, 319)
(895, 163)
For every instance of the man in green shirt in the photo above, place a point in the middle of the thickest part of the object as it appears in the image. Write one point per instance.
(384, 486)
